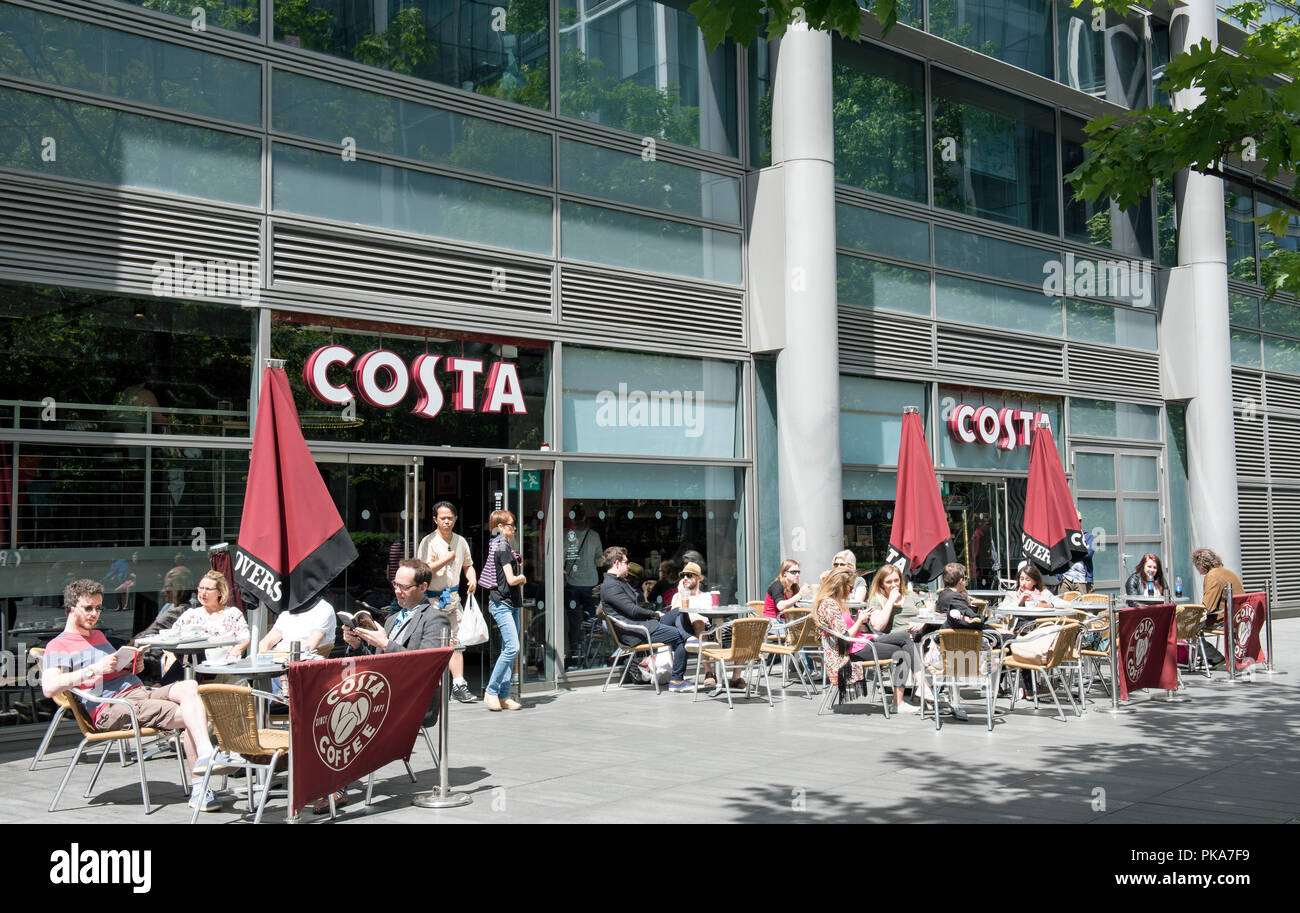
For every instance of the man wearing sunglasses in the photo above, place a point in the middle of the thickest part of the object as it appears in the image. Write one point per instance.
(620, 601)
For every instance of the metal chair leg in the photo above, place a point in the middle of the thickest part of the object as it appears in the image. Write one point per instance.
(67, 774)
(49, 736)
(98, 767)
(266, 790)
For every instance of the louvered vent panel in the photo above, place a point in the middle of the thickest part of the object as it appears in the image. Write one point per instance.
(1256, 549)
(1248, 434)
(69, 234)
(633, 307)
(1247, 392)
(1112, 371)
(1283, 393)
(1009, 356)
(1283, 450)
(379, 270)
(1286, 545)
(868, 339)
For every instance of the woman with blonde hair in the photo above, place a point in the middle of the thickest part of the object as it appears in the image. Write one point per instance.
(833, 615)
(217, 620)
(847, 560)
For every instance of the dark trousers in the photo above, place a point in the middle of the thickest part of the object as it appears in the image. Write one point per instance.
(890, 645)
(580, 605)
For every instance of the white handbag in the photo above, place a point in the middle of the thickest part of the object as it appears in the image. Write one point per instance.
(658, 665)
(473, 629)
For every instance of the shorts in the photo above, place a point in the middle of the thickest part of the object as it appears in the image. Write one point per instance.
(154, 708)
(1075, 586)
(453, 613)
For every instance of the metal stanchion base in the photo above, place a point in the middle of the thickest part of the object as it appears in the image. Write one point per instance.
(434, 798)
(1115, 710)
(1267, 670)
(1171, 697)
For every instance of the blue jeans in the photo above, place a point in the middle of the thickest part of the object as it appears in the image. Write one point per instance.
(503, 613)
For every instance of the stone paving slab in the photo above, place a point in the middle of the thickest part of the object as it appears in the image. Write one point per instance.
(630, 755)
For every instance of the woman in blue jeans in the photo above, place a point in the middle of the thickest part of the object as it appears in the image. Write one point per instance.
(500, 581)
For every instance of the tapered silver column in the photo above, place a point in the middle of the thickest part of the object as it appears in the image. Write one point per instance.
(807, 369)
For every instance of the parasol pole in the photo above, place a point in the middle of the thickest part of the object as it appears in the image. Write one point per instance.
(258, 623)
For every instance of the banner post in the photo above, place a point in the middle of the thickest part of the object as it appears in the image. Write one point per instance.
(1112, 611)
(1268, 668)
(441, 795)
(1229, 640)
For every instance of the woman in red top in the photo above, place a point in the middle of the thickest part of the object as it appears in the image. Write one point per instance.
(785, 590)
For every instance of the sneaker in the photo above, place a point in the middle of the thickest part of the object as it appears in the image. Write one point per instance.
(959, 714)
(461, 693)
(203, 801)
(680, 687)
(222, 764)
(906, 708)
(692, 641)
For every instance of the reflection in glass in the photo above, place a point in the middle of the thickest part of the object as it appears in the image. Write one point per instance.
(992, 305)
(143, 365)
(1018, 32)
(642, 66)
(882, 286)
(131, 150)
(1103, 418)
(1281, 317)
(760, 76)
(1269, 242)
(963, 250)
(1103, 54)
(871, 418)
(879, 120)
(493, 48)
(1240, 241)
(1245, 349)
(327, 111)
(1100, 222)
(1097, 321)
(1142, 518)
(323, 184)
(236, 15)
(1094, 471)
(1141, 473)
(78, 55)
(640, 242)
(1282, 354)
(875, 232)
(628, 178)
(868, 517)
(1243, 310)
(994, 154)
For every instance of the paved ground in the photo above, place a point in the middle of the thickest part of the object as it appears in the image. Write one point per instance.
(583, 756)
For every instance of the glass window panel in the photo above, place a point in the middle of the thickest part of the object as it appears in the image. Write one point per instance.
(1166, 222)
(882, 286)
(628, 178)
(1105, 556)
(1094, 471)
(1096, 321)
(1102, 418)
(328, 111)
(142, 364)
(1282, 354)
(1142, 518)
(871, 418)
(1103, 54)
(1136, 549)
(868, 515)
(236, 15)
(1269, 242)
(1137, 422)
(78, 55)
(963, 250)
(1240, 239)
(1097, 222)
(642, 66)
(1018, 32)
(641, 242)
(994, 154)
(623, 402)
(1243, 310)
(1141, 473)
(865, 485)
(1159, 59)
(1281, 317)
(295, 337)
(1099, 512)
(322, 184)
(996, 306)
(131, 150)
(1245, 349)
(879, 120)
(760, 103)
(880, 233)
(460, 43)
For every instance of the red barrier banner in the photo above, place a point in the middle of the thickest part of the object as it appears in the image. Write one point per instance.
(1249, 612)
(351, 716)
(1148, 649)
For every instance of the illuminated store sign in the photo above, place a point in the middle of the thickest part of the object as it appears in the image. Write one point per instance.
(1005, 428)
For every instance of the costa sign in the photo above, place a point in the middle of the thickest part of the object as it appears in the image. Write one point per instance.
(1004, 428)
(382, 379)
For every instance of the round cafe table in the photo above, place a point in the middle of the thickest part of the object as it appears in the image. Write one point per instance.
(188, 650)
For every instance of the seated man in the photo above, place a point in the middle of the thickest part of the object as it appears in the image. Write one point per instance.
(82, 658)
(619, 599)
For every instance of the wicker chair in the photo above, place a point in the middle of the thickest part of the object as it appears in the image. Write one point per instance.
(1191, 620)
(1070, 595)
(962, 653)
(233, 712)
(746, 647)
(1062, 652)
(755, 607)
(621, 652)
(833, 644)
(800, 632)
(67, 700)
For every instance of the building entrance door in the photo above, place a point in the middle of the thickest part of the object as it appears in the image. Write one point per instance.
(1119, 496)
(985, 519)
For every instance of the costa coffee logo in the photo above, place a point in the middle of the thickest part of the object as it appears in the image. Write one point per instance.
(382, 379)
(348, 718)
(1004, 428)
(1244, 619)
(1139, 648)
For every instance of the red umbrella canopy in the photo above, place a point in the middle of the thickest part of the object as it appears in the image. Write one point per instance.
(292, 542)
(919, 544)
(1052, 538)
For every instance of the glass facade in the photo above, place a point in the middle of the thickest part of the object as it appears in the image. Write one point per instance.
(1103, 54)
(626, 177)
(1018, 32)
(625, 239)
(879, 120)
(1098, 222)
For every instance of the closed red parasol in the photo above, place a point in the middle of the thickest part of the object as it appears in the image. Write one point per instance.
(919, 544)
(292, 542)
(1052, 538)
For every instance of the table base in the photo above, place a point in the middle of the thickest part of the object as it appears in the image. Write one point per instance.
(434, 798)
